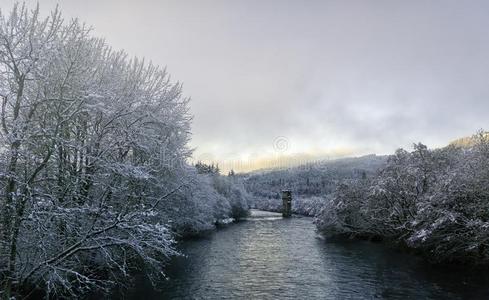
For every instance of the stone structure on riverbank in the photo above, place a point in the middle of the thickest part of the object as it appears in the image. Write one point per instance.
(287, 203)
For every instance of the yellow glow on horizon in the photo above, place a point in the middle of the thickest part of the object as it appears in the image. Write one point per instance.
(247, 162)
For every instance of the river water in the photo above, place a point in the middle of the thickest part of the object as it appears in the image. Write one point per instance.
(267, 257)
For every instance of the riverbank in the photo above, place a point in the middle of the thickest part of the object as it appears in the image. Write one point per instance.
(305, 206)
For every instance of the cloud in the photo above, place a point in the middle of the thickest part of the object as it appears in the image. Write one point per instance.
(367, 76)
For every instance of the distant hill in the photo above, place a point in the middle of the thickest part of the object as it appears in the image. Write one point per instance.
(311, 184)
(313, 179)
(469, 141)
(321, 178)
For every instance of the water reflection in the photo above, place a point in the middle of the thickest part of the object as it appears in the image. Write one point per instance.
(273, 258)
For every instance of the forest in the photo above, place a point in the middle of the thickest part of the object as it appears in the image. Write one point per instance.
(311, 184)
(93, 164)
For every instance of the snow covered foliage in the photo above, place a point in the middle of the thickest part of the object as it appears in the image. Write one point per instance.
(233, 189)
(434, 201)
(92, 160)
(311, 184)
(207, 201)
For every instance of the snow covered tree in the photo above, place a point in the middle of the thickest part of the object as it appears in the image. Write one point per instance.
(93, 145)
(435, 201)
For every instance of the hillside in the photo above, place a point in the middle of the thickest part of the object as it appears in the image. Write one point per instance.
(316, 180)
(469, 141)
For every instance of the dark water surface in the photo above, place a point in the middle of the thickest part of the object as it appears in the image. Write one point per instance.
(267, 257)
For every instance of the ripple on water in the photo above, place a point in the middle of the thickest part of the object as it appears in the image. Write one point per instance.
(273, 258)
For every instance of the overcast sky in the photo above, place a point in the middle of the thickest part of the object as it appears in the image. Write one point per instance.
(310, 78)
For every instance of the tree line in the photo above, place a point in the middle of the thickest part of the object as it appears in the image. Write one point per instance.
(435, 202)
(311, 184)
(93, 162)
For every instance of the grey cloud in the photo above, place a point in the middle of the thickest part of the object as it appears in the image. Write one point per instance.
(368, 75)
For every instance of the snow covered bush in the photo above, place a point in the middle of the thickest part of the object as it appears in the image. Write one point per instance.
(343, 214)
(452, 224)
(197, 207)
(233, 190)
(435, 201)
(307, 206)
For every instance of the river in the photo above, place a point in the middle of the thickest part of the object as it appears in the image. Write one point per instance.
(267, 257)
